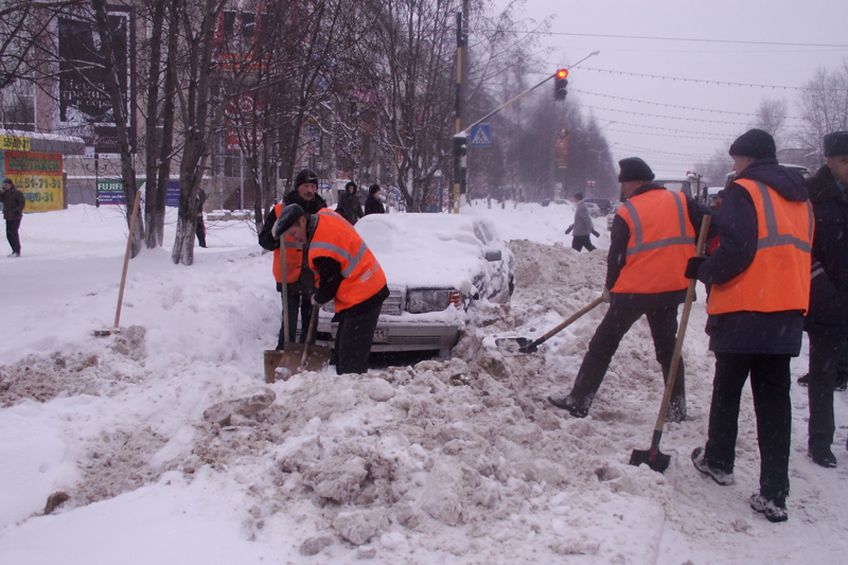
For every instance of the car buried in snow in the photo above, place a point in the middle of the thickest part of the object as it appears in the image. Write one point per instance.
(438, 266)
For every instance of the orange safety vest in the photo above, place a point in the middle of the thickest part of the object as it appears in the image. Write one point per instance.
(294, 256)
(778, 279)
(662, 240)
(362, 276)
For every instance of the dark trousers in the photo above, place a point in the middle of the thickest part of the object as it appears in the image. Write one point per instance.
(353, 340)
(12, 227)
(297, 300)
(825, 354)
(770, 388)
(579, 242)
(200, 232)
(616, 322)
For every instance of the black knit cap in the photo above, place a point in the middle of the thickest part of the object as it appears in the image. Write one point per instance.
(836, 143)
(634, 168)
(305, 176)
(349, 184)
(373, 189)
(290, 214)
(754, 143)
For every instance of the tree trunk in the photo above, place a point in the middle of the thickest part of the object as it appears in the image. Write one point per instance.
(152, 141)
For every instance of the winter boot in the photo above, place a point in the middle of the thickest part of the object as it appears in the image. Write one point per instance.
(575, 407)
(771, 509)
(700, 463)
(804, 380)
(822, 456)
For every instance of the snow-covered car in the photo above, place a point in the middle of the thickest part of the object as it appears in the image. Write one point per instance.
(437, 266)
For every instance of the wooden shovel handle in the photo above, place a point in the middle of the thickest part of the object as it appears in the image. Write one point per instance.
(133, 216)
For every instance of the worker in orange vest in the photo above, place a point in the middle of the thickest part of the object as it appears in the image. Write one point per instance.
(760, 277)
(298, 281)
(346, 272)
(653, 235)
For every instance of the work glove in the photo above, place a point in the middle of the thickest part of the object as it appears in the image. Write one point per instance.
(568, 231)
(605, 295)
(693, 265)
(595, 233)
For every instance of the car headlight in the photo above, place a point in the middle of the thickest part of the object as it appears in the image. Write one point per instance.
(431, 300)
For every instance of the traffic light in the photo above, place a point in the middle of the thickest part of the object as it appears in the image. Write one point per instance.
(460, 144)
(560, 84)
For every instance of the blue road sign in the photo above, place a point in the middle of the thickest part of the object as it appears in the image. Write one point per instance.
(480, 135)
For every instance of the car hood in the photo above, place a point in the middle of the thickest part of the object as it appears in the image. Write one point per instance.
(429, 250)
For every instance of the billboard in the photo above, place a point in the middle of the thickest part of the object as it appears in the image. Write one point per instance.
(111, 191)
(38, 176)
(85, 108)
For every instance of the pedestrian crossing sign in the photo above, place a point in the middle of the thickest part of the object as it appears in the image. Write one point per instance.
(480, 135)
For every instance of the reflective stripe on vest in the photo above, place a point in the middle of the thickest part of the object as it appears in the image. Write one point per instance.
(658, 249)
(294, 257)
(778, 279)
(362, 276)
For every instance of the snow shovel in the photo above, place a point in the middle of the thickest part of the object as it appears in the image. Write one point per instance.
(297, 357)
(116, 329)
(655, 459)
(527, 345)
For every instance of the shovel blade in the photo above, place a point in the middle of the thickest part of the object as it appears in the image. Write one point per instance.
(654, 458)
(281, 365)
(515, 344)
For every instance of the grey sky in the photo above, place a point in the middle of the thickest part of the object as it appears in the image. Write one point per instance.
(811, 21)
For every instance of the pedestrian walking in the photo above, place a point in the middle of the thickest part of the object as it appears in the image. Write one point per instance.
(13, 211)
(374, 202)
(582, 227)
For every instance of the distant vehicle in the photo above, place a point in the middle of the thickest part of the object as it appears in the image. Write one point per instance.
(712, 194)
(604, 204)
(438, 266)
(805, 172)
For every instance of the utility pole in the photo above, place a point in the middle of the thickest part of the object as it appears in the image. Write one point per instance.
(459, 168)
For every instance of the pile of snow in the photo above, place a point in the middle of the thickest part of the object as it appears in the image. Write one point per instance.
(167, 447)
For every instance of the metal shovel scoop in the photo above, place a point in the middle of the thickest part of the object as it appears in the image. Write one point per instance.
(527, 345)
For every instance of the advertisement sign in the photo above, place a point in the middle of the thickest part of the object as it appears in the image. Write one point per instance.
(38, 176)
(85, 108)
(14, 143)
(111, 191)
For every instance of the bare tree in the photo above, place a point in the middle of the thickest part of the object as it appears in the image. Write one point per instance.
(771, 117)
(197, 20)
(824, 108)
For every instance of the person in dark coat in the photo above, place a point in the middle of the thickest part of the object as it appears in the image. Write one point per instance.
(349, 206)
(13, 211)
(305, 195)
(827, 320)
(582, 227)
(760, 277)
(653, 233)
(374, 202)
(200, 230)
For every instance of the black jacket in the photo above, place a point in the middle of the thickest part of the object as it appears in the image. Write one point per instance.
(13, 204)
(776, 333)
(374, 206)
(266, 240)
(828, 314)
(617, 258)
(349, 207)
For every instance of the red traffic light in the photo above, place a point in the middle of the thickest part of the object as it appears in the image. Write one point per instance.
(562, 73)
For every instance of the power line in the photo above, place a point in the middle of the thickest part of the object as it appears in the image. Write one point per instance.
(670, 38)
(706, 81)
(711, 110)
(666, 116)
(673, 130)
(700, 136)
(657, 151)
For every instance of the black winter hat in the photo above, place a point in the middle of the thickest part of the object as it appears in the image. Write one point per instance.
(754, 143)
(373, 189)
(305, 176)
(349, 184)
(634, 168)
(836, 143)
(290, 214)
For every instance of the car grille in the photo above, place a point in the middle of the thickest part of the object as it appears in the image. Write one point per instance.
(393, 305)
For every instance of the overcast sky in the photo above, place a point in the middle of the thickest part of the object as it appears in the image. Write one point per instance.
(676, 148)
